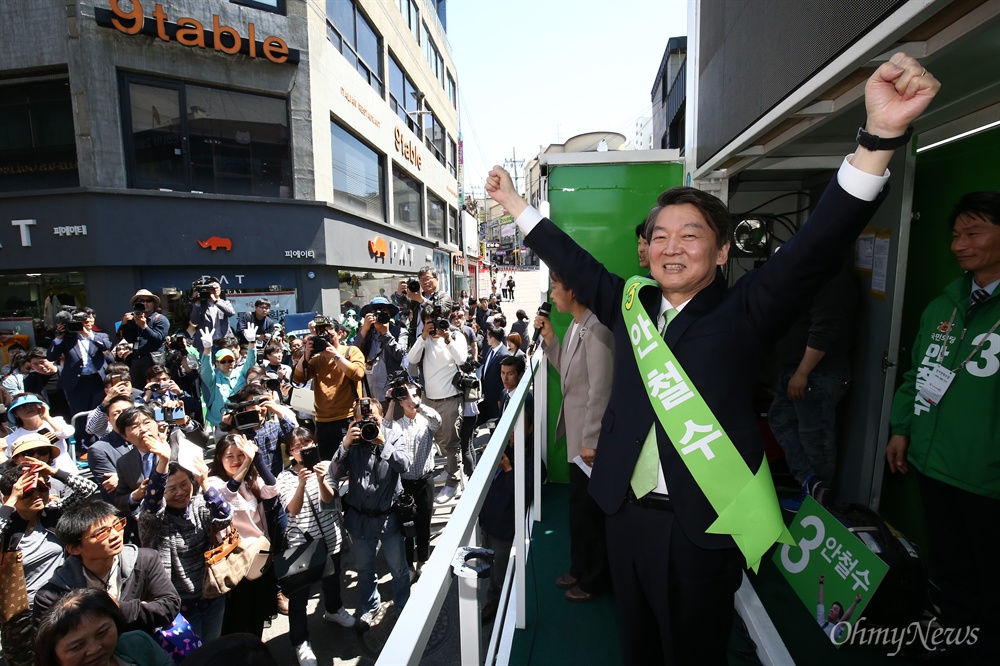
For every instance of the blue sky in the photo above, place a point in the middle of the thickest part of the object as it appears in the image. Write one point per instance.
(535, 72)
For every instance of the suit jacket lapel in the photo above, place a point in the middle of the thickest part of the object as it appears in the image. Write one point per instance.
(573, 344)
(704, 301)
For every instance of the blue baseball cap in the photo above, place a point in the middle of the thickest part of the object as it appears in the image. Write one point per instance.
(380, 303)
(21, 401)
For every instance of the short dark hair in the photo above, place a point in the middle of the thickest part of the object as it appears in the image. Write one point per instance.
(271, 348)
(119, 398)
(521, 314)
(710, 207)
(155, 370)
(301, 433)
(174, 467)
(229, 341)
(66, 614)
(78, 518)
(516, 361)
(261, 301)
(640, 229)
(37, 352)
(10, 476)
(132, 414)
(984, 205)
(424, 270)
(497, 333)
(116, 369)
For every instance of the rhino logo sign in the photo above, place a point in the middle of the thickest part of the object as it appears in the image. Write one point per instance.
(214, 243)
(377, 247)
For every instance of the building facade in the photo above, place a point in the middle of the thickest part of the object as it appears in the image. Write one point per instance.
(307, 150)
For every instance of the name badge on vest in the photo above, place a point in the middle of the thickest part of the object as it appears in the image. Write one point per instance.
(936, 385)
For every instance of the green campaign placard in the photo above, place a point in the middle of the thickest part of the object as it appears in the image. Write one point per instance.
(827, 551)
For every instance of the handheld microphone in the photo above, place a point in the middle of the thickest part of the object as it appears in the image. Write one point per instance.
(543, 310)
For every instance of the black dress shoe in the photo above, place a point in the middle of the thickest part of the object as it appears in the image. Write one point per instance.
(575, 593)
(566, 581)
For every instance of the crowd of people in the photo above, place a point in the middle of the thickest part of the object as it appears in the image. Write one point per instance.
(176, 438)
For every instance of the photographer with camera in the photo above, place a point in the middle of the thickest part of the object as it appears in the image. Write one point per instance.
(259, 318)
(373, 459)
(211, 311)
(82, 350)
(418, 424)
(222, 380)
(422, 294)
(146, 329)
(169, 402)
(380, 344)
(439, 352)
(336, 370)
(254, 413)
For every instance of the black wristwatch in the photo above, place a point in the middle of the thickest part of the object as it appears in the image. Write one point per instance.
(872, 142)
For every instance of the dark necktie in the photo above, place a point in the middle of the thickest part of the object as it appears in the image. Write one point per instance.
(147, 464)
(978, 296)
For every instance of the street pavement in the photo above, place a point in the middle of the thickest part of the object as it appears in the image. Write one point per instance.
(337, 646)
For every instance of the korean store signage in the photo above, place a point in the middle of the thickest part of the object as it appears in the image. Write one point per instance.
(191, 32)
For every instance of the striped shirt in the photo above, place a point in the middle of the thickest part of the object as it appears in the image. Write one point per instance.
(329, 526)
(418, 433)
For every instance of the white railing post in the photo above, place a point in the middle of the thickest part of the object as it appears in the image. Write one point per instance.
(469, 626)
(520, 549)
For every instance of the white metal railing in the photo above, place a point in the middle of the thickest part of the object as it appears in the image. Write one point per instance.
(409, 637)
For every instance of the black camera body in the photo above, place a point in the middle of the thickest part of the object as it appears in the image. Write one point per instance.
(245, 417)
(321, 342)
(369, 426)
(397, 382)
(465, 380)
(203, 289)
(441, 324)
(382, 317)
(138, 309)
(413, 285)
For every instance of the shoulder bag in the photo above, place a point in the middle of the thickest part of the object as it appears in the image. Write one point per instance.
(231, 560)
(298, 567)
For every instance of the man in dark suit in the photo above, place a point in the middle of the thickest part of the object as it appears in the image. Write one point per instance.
(82, 375)
(674, 582)
(139, 427)
(489, 408)
(104, 454)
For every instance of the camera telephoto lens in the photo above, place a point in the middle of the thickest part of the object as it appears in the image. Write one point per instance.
(382, 317)
(413, 285)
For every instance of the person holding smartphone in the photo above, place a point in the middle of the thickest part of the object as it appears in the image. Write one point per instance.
(311, 502)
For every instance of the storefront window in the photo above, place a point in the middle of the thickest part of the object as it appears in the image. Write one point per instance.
(435, 217)
(29, 303)
(357, 174)
(194, 138)
(407, 201)
(37, 139)
(358, 289)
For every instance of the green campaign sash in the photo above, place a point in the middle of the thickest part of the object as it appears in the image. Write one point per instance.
(745, 502)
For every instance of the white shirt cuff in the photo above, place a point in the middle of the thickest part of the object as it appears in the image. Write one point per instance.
(859, 184)
(527, 220)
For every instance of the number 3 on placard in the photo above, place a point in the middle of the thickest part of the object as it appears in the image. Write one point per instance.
(806, 545)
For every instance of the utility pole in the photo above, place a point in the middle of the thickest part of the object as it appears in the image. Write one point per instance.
(513, 163)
